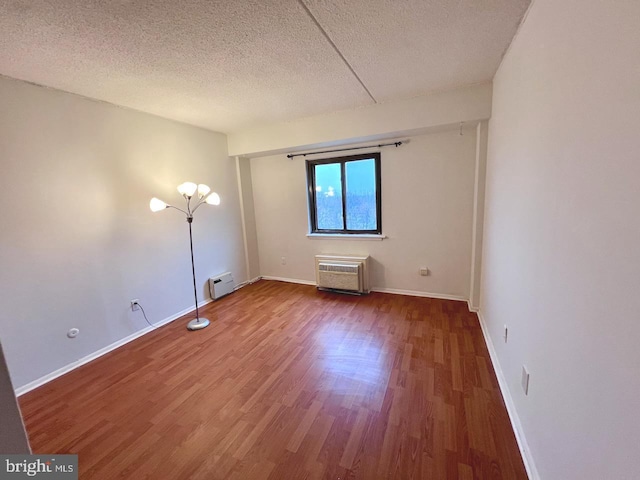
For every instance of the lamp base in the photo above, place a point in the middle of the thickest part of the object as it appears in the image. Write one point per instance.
(198, 325)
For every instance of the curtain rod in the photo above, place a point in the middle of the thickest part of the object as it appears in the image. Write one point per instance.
(291, 155)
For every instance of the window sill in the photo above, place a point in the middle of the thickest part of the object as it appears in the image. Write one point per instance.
(346, 236)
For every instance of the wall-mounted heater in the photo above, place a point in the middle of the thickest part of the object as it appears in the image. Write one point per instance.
(221, 285)
(343, 273)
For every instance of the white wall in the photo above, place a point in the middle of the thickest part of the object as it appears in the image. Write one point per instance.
(78, 240)
(411, 116)
(562, 235)
(427, 209)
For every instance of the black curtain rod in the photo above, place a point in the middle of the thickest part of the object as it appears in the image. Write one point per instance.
(291, 155)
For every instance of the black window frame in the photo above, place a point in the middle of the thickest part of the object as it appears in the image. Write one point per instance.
(311, 188)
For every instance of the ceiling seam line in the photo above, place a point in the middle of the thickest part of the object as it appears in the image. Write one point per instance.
(335, 47)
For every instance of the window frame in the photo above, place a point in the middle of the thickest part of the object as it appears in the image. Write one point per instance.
(311, 191)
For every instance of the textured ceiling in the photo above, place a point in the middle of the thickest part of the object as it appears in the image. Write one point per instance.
(228, 65)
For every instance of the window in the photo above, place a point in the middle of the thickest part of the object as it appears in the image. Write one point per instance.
(344, 194)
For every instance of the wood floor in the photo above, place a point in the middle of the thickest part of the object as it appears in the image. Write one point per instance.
(288, 383)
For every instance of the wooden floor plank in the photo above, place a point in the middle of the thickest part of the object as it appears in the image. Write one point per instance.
(303, 427)
(354, 439)
(288, 382)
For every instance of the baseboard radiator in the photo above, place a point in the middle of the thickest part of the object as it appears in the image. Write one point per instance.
(221, 285)
(343, 273)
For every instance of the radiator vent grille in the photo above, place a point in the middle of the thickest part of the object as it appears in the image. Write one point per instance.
(338, 268)
(343, 273)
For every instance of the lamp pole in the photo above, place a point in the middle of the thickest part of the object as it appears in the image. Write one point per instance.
(197, 323)
(205, 195)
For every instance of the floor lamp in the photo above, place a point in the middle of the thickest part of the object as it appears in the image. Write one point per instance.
(205, 195)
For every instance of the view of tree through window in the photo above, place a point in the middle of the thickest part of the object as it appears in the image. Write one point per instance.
(329, 196)
(344, 194)
(361, 194)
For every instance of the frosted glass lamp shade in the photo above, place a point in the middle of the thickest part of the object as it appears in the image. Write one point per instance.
(213, 199)
(156, 205)
(187, 188)
(203, 190)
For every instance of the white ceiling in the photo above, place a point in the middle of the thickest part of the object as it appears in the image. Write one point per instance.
(230, 65)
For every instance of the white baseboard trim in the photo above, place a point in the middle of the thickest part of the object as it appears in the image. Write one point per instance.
(411, 293)
(416, 293)
(98, 353)
(244, 284)
(472, 308)
(527, 458)
(289, 280)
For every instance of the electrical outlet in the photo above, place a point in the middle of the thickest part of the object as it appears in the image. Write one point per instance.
(505, 335)
(135, 305)
(424, 271)
(283, 260)
(525, 380)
